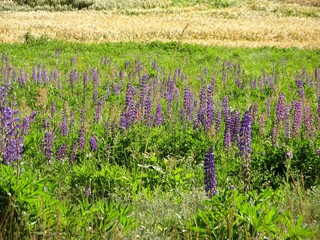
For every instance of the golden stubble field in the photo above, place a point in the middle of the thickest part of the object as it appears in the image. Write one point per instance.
(240, 27)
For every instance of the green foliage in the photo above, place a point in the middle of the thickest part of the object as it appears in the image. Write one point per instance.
(234, 215)
(147, 181)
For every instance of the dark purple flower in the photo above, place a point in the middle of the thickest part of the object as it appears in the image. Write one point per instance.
(227, 132)
(287, 130)
(93, 143)
(288, 155)
(62, 151)
(244, 143)
(98, 111)
(87, 191)
(280, 110)
(158, 116)
(47, 145)
(73, 153)
(210, 174)
(297, 118)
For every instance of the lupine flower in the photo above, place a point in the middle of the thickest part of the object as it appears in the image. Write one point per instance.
(227, 133)
(244, 143)
(72, 79)
(98, 111)
(280, 110)
(73, 153)
(262, 124)
(93, 143)
(107, 128)
(235, 126)
(25, 125)
(244, 146)
(318, 152)
(210, 112)
(210, 174)
(308, 121)
(158, 116)
(287, 130)
(187, 110)
(87, 191)
(288, 155)
(297, 118)
(62, 151)
(47, 145)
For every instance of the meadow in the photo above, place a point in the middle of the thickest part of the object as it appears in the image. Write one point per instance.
(146, 136)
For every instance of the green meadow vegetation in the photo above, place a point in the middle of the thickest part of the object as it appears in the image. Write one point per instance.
(112, 141)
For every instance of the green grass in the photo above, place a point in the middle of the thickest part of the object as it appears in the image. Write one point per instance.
(147, 182)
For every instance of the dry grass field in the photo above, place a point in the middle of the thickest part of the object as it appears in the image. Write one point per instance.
(253, 24)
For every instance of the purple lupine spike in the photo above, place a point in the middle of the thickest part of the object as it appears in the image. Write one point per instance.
(318, 109)
(73, 154)
(262, 124)
(287, 130)
(47, 145)
(12, 142)
(95, 95)
(45, 123)
(148, 109)
(44, 76)
(225, 104)
(107, 128)
(158, 116)
(227, 132)
(187, 110)
(235, 126)
(297, 118)
(62, 151)
(81, 135)
(21, 78)
(73, 76)
(244, 143)
(308, 121)
(299, 83)
(25, 125)
(244, 146)
(123, 122)
(196, 123)
(93, 143)
(210, 112)
(64, 124)
(280, 109)
(82, 116)
(210, 180)
(55, 75)
(98, 111)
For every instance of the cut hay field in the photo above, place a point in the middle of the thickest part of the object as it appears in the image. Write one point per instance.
(281, 25)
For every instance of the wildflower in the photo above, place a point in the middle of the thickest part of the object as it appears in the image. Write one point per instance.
(210, 174)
